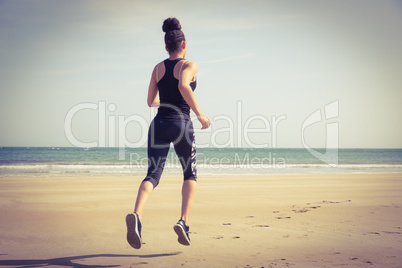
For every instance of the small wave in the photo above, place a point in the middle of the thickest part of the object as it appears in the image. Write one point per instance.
(205, 165)
(358, 166)
(204, 168)
(89, 167)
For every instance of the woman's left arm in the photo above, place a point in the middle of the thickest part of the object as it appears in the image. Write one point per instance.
(153, 99)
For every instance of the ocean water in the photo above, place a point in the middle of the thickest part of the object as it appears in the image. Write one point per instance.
(74, 161)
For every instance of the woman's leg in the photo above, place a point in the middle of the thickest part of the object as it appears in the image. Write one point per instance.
(188, 194)
(157, 153)
(186, 152)
(144, 192)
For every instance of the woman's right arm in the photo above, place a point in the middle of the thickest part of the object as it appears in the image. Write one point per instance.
(189, 71)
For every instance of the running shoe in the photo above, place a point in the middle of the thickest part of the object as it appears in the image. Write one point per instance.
(133, 230)
(181, 230)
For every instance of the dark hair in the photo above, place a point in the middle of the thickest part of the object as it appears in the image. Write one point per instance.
(173, 34)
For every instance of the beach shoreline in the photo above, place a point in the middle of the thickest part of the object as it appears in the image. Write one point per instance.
(310, 220)
(104, 161)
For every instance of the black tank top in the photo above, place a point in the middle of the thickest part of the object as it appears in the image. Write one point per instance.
(172, 104)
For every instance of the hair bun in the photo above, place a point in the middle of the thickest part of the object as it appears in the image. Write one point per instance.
(171, 24)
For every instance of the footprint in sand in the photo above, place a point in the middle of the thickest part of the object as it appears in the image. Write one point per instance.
(386, 232)
(335, 202)
(376, 233)
(304, 210)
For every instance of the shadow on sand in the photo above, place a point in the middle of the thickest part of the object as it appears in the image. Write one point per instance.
(67, 261)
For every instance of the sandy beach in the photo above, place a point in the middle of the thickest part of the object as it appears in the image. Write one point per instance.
(307, 220)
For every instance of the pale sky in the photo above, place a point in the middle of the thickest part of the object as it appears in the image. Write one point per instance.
(259, 61)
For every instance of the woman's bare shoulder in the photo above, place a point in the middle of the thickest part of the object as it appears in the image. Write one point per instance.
(191, 65)
(158, 71)
(159, 64)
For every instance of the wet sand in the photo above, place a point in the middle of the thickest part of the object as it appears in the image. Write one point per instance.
(236, 221)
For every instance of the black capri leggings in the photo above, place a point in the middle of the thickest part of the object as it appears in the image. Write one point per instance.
(161, 133)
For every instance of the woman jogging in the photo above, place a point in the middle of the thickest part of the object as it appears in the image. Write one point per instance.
(175, 80)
